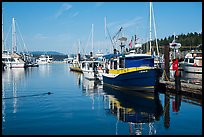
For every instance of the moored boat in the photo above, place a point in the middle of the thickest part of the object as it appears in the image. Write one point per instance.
(13, 61)
(44, 59)
(192, 62)
(76, 66)
(133, 71)
(92, 69)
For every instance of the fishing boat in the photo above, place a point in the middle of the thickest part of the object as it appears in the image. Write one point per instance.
(44, 59)
(192, 62)
(92, 69)
(131, 71)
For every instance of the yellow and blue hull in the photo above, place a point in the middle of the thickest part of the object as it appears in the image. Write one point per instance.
(142, 78)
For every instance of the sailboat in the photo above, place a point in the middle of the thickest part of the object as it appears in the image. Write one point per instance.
(92, 69)
(130, 70)
(12, 60)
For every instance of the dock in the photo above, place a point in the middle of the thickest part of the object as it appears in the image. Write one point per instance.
(187, 89)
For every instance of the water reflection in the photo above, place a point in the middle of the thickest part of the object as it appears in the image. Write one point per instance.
(78, 76)
(3, 105)
(44, 70)
(176, 103)
(91, 88)
(10, 78)
(166, 111)
(137, 109)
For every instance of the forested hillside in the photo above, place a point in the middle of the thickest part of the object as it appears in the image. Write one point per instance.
(187, 40)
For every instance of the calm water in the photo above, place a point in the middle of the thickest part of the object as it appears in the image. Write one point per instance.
(78, 106)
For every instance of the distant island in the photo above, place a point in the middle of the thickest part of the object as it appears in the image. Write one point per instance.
(57, 56)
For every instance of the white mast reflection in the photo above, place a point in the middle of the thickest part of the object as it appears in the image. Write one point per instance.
(14, 96)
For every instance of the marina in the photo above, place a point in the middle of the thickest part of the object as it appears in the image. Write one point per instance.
(127, 82)
(79, 106)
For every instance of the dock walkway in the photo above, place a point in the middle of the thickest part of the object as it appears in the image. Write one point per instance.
(186, 88)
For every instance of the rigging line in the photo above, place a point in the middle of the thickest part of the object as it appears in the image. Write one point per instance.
(7, 35)
(88, 40)
(111, 39)
(24, 46)
(17, 39)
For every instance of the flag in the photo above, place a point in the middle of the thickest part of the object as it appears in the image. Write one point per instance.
(130, 44)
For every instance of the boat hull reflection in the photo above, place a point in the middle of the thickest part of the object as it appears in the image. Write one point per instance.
(133, 108)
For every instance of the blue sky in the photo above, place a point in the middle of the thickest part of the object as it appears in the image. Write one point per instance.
(59, 26)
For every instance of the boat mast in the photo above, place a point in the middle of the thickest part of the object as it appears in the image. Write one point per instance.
(150, 28)
(92, 37)
(155, 33)
(14, 48)
(2, 35)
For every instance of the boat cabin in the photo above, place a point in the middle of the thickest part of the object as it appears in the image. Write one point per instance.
(121, 61)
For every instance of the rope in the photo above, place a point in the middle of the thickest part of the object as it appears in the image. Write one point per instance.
(166, 75)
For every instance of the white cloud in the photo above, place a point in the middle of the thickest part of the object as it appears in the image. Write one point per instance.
(75, 14)
(62, 9)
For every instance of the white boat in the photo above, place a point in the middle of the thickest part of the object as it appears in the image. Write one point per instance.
(92, 69)
(12, 62)
(44, 59)
(192, 62)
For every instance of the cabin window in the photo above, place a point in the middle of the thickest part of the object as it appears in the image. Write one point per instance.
(191, 61)
(83, 65)
(111, 64)
(11, 59)
(121, 63)
(115, 64)
(186, 60)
